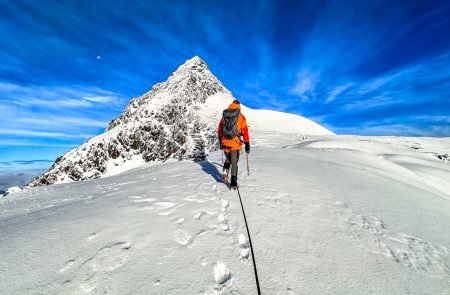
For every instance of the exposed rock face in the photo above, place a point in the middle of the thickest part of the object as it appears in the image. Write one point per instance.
(161, 124)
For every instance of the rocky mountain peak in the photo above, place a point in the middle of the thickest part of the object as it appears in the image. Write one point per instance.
(191, 84)
(163, 123)
(195, 63)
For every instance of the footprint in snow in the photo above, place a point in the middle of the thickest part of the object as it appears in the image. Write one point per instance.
(222, 217)
(199, 215)
(67, 265)
(412, 252)
(225, 204)
(93, 235)
(223, 222)
(182, 238)
(180, 221)
(244, 247)
(111, 257)
(96, 269)
(222, 275)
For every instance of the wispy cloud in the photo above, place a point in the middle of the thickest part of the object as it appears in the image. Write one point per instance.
(426, 80)
(395, 129)
(405, 96)
(435, 119)
(57, 97)
(337, 91)
(50, 121)
(31, 133)
(31, 115)
(31, 142)
(25, 162)
(305, 87)
(103, 99)
(370, 103)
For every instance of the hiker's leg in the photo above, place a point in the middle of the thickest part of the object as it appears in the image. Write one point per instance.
(226, 164)
(234, 162)
(234, 168)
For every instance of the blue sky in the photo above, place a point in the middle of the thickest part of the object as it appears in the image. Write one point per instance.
(357, 67)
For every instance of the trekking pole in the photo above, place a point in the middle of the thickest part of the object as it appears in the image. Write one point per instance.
(209, 149)
(248, 169)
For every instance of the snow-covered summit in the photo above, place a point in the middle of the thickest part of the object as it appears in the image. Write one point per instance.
(175, 119)
(192, 83)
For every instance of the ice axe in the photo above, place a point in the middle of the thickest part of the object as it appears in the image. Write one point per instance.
(248, 168)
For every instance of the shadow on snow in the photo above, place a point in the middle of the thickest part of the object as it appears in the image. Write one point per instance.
(211, 169)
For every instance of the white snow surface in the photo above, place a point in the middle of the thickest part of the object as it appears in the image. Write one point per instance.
(327, 215)
(262, 120)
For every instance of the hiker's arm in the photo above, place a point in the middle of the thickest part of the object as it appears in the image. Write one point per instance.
(245, 134)
(244, 131)
(246, 139)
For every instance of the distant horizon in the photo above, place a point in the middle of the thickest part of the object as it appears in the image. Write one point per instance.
(371, 69)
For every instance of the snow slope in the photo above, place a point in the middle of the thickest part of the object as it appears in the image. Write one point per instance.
(327, 215)
(262, 120)
(169, 121)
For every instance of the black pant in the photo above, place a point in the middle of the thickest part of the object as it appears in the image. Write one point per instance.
(231, 158)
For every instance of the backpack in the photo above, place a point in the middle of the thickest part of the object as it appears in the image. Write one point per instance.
(230, 119)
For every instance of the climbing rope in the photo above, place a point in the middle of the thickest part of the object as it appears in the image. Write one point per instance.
(251, 247)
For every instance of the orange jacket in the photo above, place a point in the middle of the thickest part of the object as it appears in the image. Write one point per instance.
(235, 143)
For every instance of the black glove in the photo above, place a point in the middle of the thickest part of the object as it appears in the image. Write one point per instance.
(220, 143)
(247, 147)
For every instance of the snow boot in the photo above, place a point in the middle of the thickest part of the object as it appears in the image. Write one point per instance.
(234, 184)
(225, 176)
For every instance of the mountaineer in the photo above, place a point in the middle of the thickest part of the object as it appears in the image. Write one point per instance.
(232, 127)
